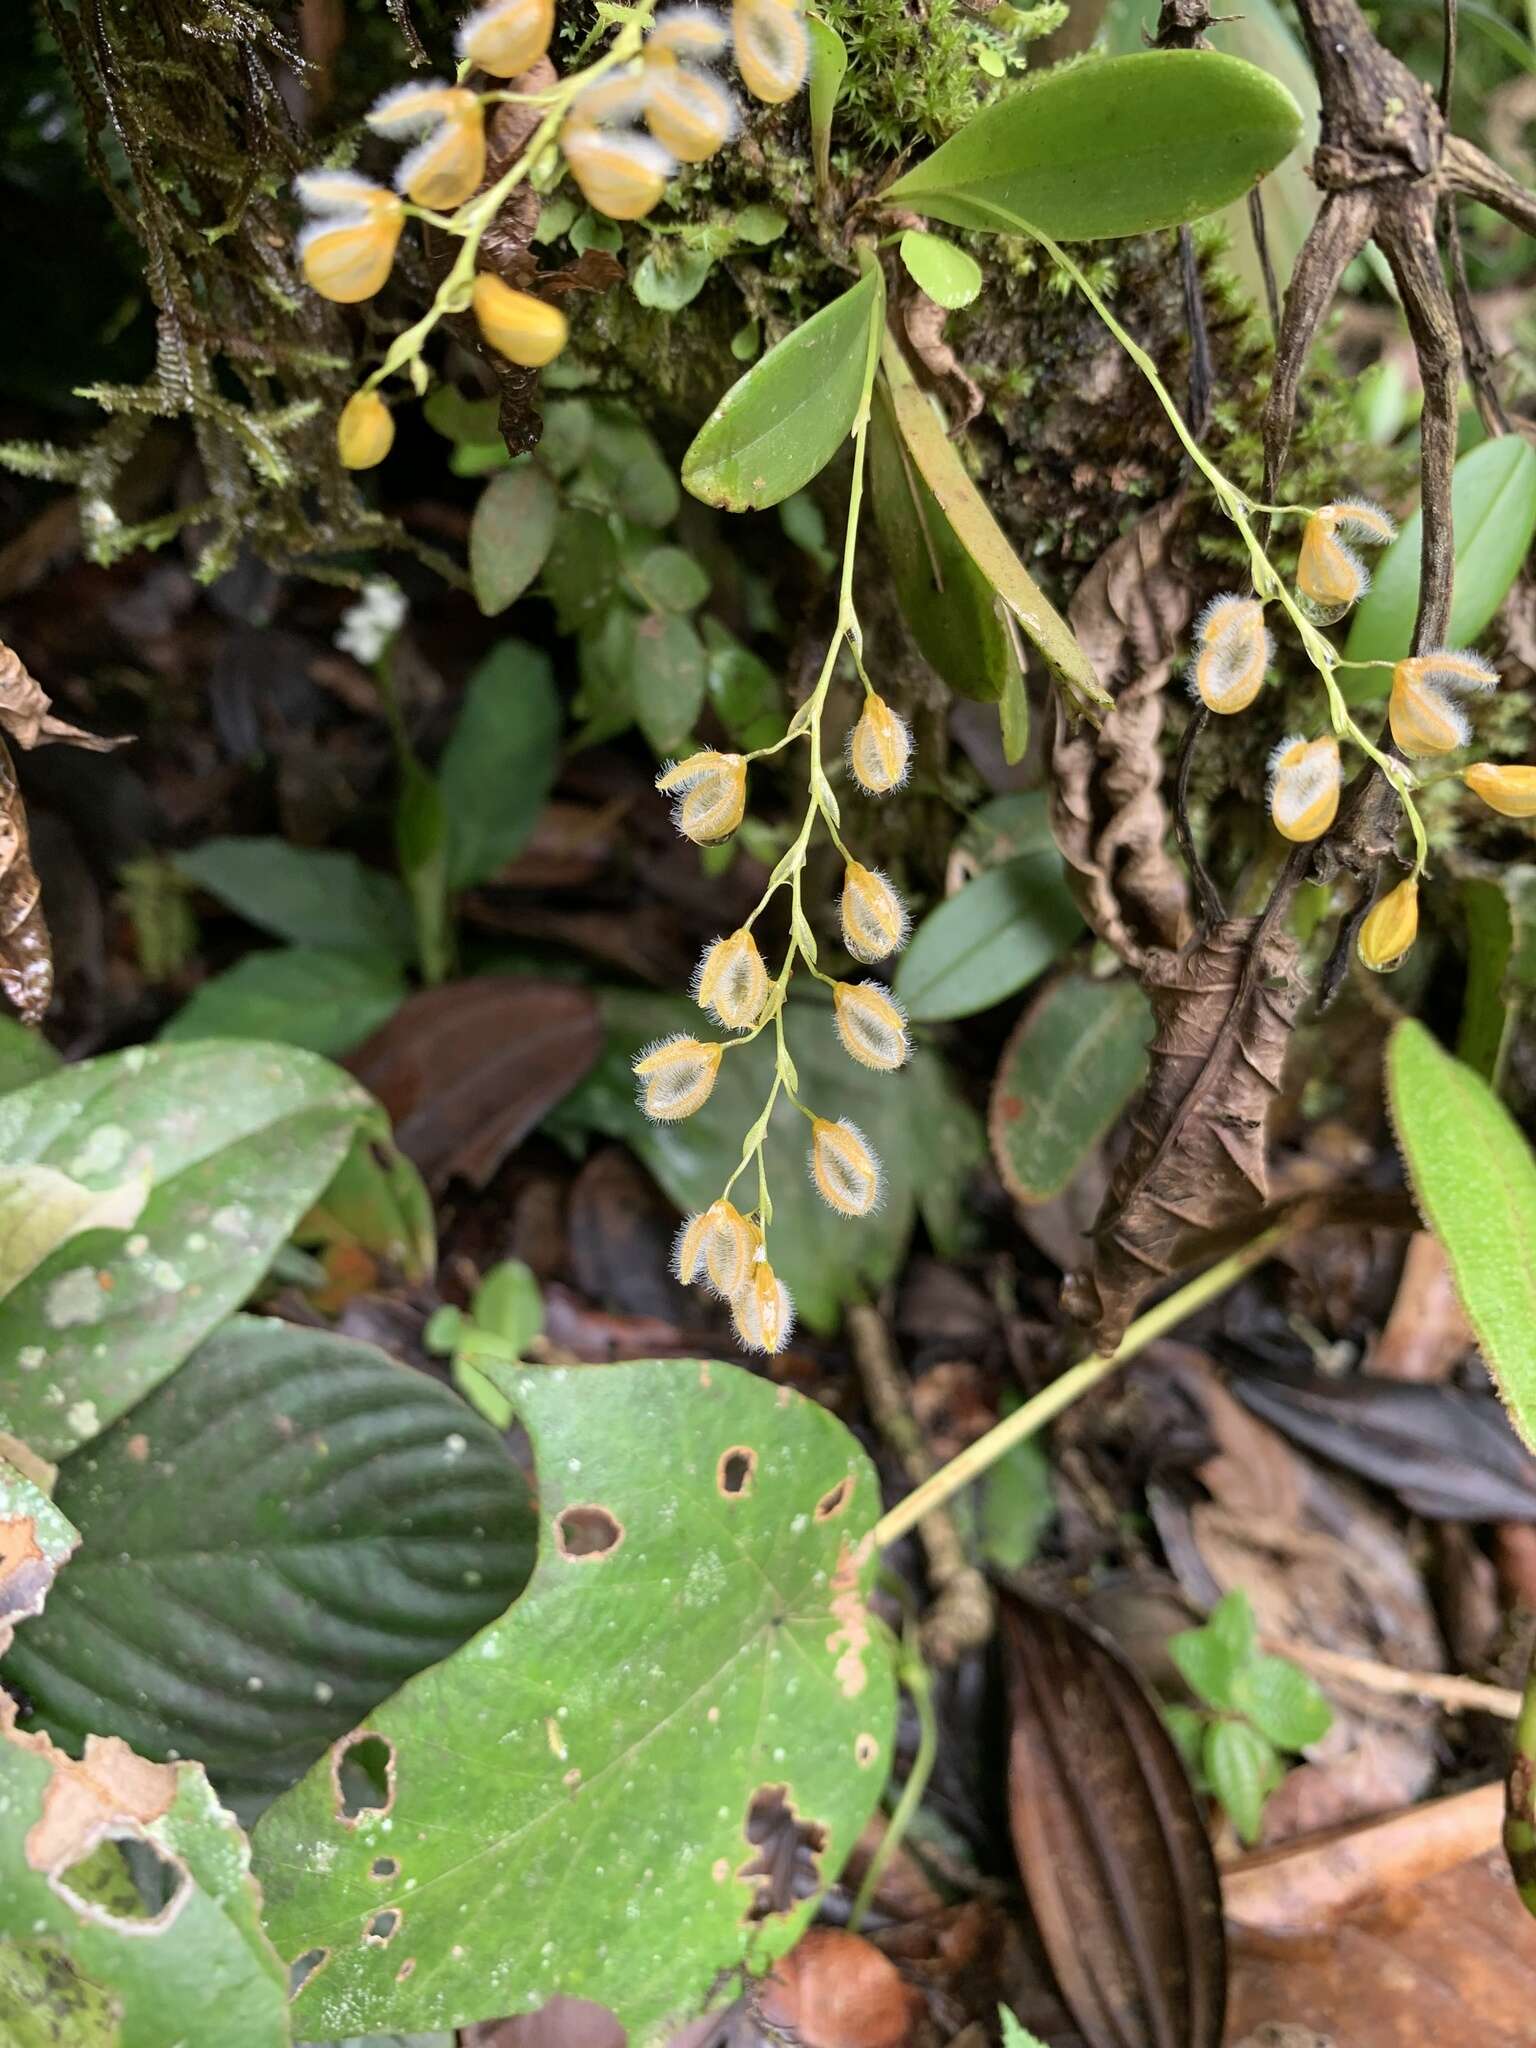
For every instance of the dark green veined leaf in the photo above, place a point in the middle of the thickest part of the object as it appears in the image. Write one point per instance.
(24, 1055)
(1112, 148)
(829, 67)
(782, 423)
(318, 997)
(510, 535)
(302, 894)
(499, 764)
(273, 1541)
(1493, 507)
(947, 602)
(937, 461)
(951, 277)
(667, 679)
(236, 1141)
(1281, 1701)
(1474, 1179)
(1073, 1062)
(689, 1677)
(988, 940)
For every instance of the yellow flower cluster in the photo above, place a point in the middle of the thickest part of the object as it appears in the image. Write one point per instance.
(621, 136)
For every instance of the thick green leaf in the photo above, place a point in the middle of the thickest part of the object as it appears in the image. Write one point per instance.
(273, 1541)
(313, 996)
(826, 1261)
(693, 1642)
(782, 423)
(1074, 1061)
(24, 1055)
(1488, 1005)
(1206, 1664)
(237, 1140)
(1111, 148)
(41, 1208)
(200, 1969)
(1281, 1701)
(667, 679)
(829, 67)
(936, 459)
(951, 277)
(1493, 507)
(510, 535)
(1474, 1178)
(1243, 1770)
(1017, 1504)
(949, 605)
(498, 767)
(988, 940)
(306, 896)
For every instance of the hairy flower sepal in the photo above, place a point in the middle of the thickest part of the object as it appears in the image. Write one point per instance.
(762, 1311)
(1387, 936)
(1330, 576)
(348, 247)
(677, 1077)
(871, 1025)
(731, 982)
(711, 793)
(527, 331)
(448, 162)
(874, 918)
(1305, 777)
(773, 50)
(844, 1167)
(719, 1246)
(880, 747)
(365, 431)
(507, 37)
(1505, 787)
(1424, 714)
(1233, 650)
(620, 170)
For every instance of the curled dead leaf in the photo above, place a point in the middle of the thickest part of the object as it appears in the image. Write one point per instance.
(26, 952)
(835, 1990)
(923, 321)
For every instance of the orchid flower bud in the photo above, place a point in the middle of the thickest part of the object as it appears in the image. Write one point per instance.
(773, 50)
(447, 164)
(1424, 715)
(871, 1024)
(677, 1076)
(844, 1167)
(691, 35)
(732, 982)
(762, 1311)
(1304, 782)
(346, 253)
(718, 1246)
(880, 747)
(1388, 933)
(874, 918)
(527, 331)
(620, 172)
(507, 37)
(1330, 576)
(1233, 650)
(365, 431)
(711, 792)
(1504, 787)
(689, 114)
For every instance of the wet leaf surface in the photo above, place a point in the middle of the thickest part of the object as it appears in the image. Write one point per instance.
(693, 1642)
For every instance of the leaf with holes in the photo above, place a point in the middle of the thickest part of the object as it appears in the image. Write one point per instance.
(272, 1542)
(172, 1940)
(236, 1142)
(1474, 1177)
(688, 1710)
(1074, 1061)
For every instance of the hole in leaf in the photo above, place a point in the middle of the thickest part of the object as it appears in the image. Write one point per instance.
(303, 1967)
(865, 1750)
(405, 1969)
(588, 1531)
(834, 1502)
(736, 1470)
(788, 1847)
(382, 1928)
(124, 1881)
(363, 1774)
(384, 1868)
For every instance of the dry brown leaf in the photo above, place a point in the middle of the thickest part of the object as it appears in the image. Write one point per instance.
(923, 320)
(26, 715)
(1107, 810)
(26, 953)
(1223, 1007)
(836, 1990)
(1427, 1331)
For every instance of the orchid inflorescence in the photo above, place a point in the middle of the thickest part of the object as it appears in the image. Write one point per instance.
(620, 127)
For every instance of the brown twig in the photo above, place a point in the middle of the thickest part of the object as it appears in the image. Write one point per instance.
(1447, 1689)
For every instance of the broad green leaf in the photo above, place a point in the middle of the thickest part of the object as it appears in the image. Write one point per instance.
(1111, 148)
(758, 225)
(829, 66)
(693, 1643)
(1493, 509)
(198, 1969)
(670, 276)
(937, 461)
(508, 1303)
(1207, 1665)
(567, 438)
(39, 1540)
(24, 1055)
(237, 1141)
(582, 572)
(627, 470)
(747, 696)
(499, 764)
(305, 895)
(1243, 1770)
(667, 678)
(46, 2003)
(1004, 827)
(591, 231)
(510, 535)
(313, 996)
(1474, 1179)
(377, 1202)
(825, 1261)
(1187, 1726)
(782, 423)
(988, 940)
(951, 277)
(949, 605)
(41, 1208)
(1281, 1701)
(272, 1542)
(669, 580)
(1075, 1060)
